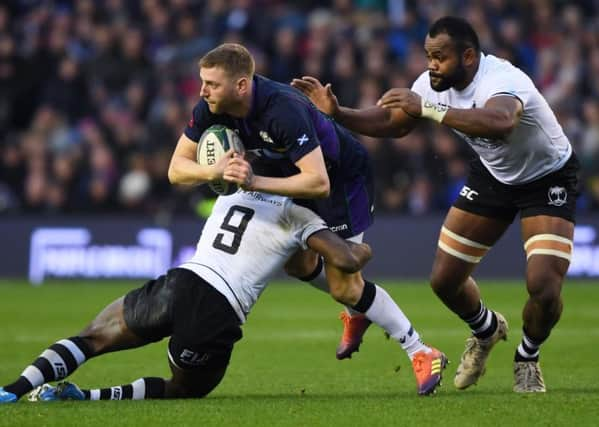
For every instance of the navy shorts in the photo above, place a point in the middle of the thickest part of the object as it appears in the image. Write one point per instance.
(349, 210)
(552, 195)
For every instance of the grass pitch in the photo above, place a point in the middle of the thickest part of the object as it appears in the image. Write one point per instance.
(284, 371)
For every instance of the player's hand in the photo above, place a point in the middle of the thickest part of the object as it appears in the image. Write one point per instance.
(239, 171)
(403, 98)
(321, 96)
(218, 168)
(362, 251)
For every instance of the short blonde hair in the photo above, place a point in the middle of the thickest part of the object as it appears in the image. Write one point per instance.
(235, 59)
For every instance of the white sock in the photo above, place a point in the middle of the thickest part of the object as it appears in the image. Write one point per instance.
(387, 314)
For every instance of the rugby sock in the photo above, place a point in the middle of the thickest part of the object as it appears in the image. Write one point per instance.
(380, 308)
(528, 350)
(143, 388)
(483, 322)
(58, 361)
(318, 279)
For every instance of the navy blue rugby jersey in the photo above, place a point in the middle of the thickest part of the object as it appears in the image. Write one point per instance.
(282, 127)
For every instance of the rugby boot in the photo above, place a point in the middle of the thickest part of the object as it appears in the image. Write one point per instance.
(474, 359)
(428, 368)
(7, 397)
(528, 377)
(354, 328)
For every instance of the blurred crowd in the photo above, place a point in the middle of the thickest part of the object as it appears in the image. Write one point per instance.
(95, 94)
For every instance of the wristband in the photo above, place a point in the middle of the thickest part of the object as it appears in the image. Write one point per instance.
(433, 111)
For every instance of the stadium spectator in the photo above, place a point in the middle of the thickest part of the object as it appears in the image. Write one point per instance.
(83, 58)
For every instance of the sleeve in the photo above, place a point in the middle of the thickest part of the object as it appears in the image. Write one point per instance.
(293, 129)
(508, 80)
(304, 222)
(201, 119)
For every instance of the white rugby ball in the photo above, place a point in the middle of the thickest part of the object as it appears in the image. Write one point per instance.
(214, 143)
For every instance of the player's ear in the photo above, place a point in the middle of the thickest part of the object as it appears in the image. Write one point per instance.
(243, 85)
(469, 56)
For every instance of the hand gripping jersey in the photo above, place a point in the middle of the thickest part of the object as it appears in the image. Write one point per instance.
(535, 148)
(246, 240)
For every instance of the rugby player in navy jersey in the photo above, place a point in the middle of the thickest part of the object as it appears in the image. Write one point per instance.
(303, 154)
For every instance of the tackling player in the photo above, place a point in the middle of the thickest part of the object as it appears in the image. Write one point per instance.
(301, 153)
(525, 165)
(200, 305)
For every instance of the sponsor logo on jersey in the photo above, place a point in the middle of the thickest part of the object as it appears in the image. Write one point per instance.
(479, 141)
(266, 137)
(558, 196)
(468, 192)
(336, 228)
(261, 198)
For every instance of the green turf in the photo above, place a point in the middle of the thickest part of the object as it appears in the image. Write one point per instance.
(284, 371)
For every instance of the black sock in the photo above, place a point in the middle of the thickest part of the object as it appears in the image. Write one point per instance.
(367, 297)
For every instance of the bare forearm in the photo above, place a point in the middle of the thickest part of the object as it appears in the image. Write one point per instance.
(303, 185)
(187, 172)
(374, 121)
(480, 122)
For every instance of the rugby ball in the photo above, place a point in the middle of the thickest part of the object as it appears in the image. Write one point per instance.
(213, 144)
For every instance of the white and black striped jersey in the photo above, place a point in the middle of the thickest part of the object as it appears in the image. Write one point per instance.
(536, 147)
(246, 240)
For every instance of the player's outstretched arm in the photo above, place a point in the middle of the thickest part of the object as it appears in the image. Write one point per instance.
(374, 121)
(496, 119)
(346, 256)
(185, 170)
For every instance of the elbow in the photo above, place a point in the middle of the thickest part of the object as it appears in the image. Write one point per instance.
(173, 175)
(505, 126)
(322, 190)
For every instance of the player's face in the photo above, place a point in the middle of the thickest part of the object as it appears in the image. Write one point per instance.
(445, 65)
(219, 90)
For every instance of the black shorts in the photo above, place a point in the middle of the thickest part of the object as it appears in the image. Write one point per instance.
(200, 321)
(553, 195)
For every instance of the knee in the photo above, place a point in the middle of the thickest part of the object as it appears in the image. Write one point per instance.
(175, 390)
(93, 335)
(544, 286)
(295, 270)
(441, 280)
